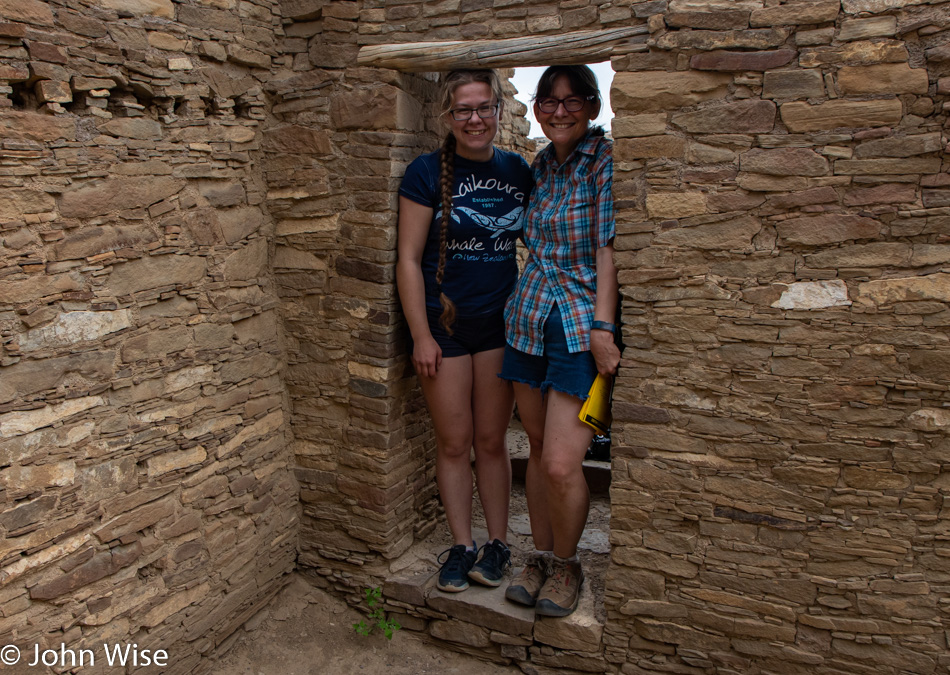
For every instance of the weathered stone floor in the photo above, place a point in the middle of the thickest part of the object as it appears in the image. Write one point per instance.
(477, 622)
(480, 621)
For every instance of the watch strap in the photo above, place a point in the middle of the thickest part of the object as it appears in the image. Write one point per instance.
(604, 325)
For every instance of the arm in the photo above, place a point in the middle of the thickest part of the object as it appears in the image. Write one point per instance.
(602, 344)
(414, 221)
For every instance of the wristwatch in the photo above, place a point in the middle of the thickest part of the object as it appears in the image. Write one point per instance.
(604, 325)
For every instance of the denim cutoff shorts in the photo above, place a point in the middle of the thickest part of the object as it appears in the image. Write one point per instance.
(557, 368)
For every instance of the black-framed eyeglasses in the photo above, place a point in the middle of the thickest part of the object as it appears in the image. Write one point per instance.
(484, 111)
(571, 103)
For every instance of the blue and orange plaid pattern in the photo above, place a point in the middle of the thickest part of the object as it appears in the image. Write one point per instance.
(570, 216)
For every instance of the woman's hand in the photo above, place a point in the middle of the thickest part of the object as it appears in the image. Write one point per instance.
(604, 350)
(427, 357)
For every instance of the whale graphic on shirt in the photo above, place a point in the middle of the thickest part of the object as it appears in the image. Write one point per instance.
(508, 222)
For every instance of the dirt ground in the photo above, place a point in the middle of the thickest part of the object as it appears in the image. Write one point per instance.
(306, 631)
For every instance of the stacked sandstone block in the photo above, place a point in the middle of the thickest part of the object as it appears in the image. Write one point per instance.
(363, 449)
(334, 157)
(363, 452)
(482, 623)
(780, 183)
(780, 188)
(146, 491)
(783, 247)
(196, 193)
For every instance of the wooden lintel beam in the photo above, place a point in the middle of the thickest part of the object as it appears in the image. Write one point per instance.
(577, 47)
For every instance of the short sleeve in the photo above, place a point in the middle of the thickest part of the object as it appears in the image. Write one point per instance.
(528, 176)
(606, 224)
(418, 183)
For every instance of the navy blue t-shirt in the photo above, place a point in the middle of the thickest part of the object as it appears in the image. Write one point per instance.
(488, 205)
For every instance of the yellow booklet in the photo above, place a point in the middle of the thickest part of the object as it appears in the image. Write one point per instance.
(596, 409)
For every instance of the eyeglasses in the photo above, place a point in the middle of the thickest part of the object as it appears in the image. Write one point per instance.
(484, 111)
(571, 103)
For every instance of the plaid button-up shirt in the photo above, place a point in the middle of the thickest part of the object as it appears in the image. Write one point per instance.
(570, 216)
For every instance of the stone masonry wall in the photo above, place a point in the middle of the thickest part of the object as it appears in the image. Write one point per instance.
(780, 493)
(342, 138)
(198, 321)
(780, 473)
(363, 449)
(146, 491)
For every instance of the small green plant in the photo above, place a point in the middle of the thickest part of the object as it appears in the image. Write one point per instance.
(377, 617)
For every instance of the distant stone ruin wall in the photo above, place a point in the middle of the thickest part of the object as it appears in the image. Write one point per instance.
(146, 488)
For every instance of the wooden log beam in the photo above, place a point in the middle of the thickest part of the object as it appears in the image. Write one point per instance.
(542, 50)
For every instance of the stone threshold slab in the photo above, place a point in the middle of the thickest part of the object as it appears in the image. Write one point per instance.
(508, 623)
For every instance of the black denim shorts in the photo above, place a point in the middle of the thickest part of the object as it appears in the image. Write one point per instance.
(470, 335)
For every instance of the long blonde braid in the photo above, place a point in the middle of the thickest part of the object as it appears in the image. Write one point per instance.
(446, 179)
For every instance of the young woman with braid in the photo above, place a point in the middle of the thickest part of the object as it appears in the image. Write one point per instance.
(460, 213)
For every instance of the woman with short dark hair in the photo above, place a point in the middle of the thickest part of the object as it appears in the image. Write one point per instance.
(560, 329)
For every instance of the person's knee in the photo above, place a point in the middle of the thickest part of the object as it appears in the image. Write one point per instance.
(456, 448)
(534, 429)
(490, 446)
(535, 434)
(561, 474)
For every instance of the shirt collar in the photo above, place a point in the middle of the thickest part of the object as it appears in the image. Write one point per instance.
(587, 146)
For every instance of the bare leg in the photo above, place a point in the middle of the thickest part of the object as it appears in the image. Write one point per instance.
(566, 440)
(492, 403)
(531, 409)
(449, 398)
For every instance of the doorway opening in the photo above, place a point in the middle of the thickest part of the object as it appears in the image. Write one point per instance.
(407, 528)
(594, 547)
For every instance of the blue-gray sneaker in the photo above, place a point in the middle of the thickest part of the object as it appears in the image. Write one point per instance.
(458, 560)
(490, 568)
